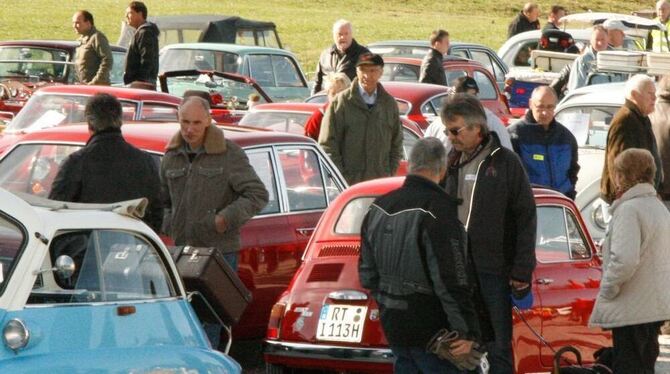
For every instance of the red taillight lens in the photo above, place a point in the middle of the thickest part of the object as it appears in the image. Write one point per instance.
(276, 315)
(217, 99)
(520, 91)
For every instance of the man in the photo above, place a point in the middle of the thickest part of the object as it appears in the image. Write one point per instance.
(93, 59)
(108, 169)
(526, 20)
(631, 128)
(548, 150)
(431, 66)
(586, 63)
(616, 33)
(361, 131)
(142, 57)
(413, 260)
(497, 207)
(660, 124)
(658, 40)
(341, 57)
(208, 187)
(557, 12)
(469, 86)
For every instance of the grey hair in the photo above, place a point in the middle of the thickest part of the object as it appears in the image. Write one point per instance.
(468, 107)
(636, 83)
(340, 23)
(428, 154)
(660, 3)
(103, 111)
(340, 77)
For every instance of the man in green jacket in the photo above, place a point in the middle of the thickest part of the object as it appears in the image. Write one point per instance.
(93, 59)
(361, 131)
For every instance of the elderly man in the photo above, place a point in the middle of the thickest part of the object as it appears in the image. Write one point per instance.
(660, 123)
(586, 63)
(548, 150)
(616, 33)
(361, 131)
(557, 12)
(341, 57)
(526, 20)
(403, 230)
(658, 40)
(142, 57)
(497, 207)
(431, 66)
(108, 169)
(93, 59)
(631, 128)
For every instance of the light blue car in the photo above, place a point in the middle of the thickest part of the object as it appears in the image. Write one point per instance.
(88, 289)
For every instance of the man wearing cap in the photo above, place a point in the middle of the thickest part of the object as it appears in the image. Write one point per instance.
(658, 40)
(469, 85)
(548, 150)
(431, 66)
(616, 33)
(361, 130)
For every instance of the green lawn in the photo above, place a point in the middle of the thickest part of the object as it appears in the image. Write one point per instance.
(303, 26)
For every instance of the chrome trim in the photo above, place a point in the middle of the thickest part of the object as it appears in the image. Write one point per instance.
(26, 332)
(347, 295)
(99, 303)
(328, 352)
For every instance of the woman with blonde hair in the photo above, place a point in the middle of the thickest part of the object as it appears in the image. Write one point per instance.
(335, 83)
(633, 299)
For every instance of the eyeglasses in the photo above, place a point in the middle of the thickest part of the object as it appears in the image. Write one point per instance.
(454, 132)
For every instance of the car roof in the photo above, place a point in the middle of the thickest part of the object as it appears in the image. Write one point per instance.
(120, 92)
(417, 61)
(225, 47)
(61, 44)
(421, 43)
(286, 107)
(606, 94)
(577, 34)
(413, 91)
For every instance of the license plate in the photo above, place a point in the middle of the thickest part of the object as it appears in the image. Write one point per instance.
(341, 323)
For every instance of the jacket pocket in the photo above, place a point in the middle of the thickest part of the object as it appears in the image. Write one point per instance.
(210, 172)
(206, 229)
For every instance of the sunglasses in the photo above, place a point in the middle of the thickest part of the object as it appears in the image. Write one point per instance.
(454, 132)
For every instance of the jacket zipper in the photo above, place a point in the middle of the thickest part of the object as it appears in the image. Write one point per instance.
(474, 187)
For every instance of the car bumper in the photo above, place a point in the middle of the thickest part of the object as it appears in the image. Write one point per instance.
(327, 356)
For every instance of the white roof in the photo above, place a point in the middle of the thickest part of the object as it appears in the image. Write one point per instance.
(592, 18)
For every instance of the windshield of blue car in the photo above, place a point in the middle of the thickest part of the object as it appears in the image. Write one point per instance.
(589, 124)
(199, 59)
(31, 63)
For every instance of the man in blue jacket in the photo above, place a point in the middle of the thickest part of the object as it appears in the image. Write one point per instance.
(548, 150)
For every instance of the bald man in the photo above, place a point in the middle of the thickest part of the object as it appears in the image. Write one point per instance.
(548, 150)
(658, 40)
(526, 20)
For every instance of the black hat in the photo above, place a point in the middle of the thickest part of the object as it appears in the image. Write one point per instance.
(464, 84)
(370, 59)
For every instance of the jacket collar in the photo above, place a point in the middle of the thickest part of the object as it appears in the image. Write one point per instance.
(529, 118)
(638, 190)
(412, 180)
(104, 135)
(214, 143)
(352, 47)
(356, 98)
(633, 108)
(89, 33)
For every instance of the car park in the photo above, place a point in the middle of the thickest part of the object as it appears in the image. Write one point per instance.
(303, 334)
(277, 71)
(87, 288)
(27, 65)
(300, 178)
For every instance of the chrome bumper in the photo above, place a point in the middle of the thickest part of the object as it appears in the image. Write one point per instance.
(329, 352)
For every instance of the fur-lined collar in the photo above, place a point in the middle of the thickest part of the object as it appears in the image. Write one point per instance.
(214, 142)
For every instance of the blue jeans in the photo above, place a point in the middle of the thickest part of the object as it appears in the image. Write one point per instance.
(418, 360)
(495, 291)
(213, 330)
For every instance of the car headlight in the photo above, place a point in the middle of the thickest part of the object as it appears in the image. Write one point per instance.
(15, 334)
(599, 214)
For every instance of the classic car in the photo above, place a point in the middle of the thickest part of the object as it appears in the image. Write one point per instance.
(82, 286)
(277, 71)
(27, 65)
(419, 48)
(63, 105)
(326, 320)
(406, 69)
(209, 28)
(300, 178)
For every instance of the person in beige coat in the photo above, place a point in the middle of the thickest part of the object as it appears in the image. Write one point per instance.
(633, 299)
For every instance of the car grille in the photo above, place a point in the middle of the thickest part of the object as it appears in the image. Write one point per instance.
(325, 273)
(339, 250)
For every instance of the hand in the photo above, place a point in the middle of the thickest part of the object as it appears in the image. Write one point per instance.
(220, 224)
(518, 285)
(461, 347)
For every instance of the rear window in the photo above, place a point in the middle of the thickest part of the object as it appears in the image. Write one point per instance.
(12, 240)
(351, 218)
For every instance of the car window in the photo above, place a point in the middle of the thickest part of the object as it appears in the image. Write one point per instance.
(433, 106)
(245, 37)
(269, 38)
(12, 240)
(303, 179)
(408, 140)
(453, 74)
(286, 71)
(118, 67)
(110, 266)
(260, 69)
(487, 88)
(350, 220)
(276, 120)
(558, 236)
(158, 112)
(188, 59)
(400, 50)
(589, 124)
(42, 63)
(459, 53)
(261, 161)
(400, 72)
(522, 57)
(490, 63)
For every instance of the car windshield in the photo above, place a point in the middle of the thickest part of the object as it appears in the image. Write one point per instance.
(292, 122)
(589, 124)
(350, 220)
(225, 92)
(51, 110)
(33, 63)
(189, 59)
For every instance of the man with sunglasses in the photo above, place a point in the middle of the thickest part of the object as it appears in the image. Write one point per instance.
(496, 205)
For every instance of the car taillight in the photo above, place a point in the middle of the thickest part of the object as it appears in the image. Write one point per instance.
(274, 324)
(520, 91)
(217, 99)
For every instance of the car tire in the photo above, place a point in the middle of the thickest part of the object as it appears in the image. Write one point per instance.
(275, 369)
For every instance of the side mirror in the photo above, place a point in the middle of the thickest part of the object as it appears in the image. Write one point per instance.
(65, 266)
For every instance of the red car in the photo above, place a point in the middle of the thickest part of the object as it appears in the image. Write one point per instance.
(63, 105)
(304, 333)
(301, 180)
(407, 69)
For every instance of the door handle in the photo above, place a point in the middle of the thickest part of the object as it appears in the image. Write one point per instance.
(305, 231)
(544, 281)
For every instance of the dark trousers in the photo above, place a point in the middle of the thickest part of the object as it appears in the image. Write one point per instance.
(635, 348)
(414, 360)
(495, 292)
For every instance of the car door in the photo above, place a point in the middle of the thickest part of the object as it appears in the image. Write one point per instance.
(279, 75)
(492, 64)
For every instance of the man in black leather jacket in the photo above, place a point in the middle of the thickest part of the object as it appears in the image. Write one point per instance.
(431, 66)
(413, 260)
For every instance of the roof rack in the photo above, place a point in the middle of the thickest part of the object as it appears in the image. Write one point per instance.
(650, 63)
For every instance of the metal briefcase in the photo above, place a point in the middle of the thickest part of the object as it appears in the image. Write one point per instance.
(204, 269)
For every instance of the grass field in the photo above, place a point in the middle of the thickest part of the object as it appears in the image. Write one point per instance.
(303, 26)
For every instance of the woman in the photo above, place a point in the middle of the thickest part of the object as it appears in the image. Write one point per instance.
(634, 299)
(336, 83)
